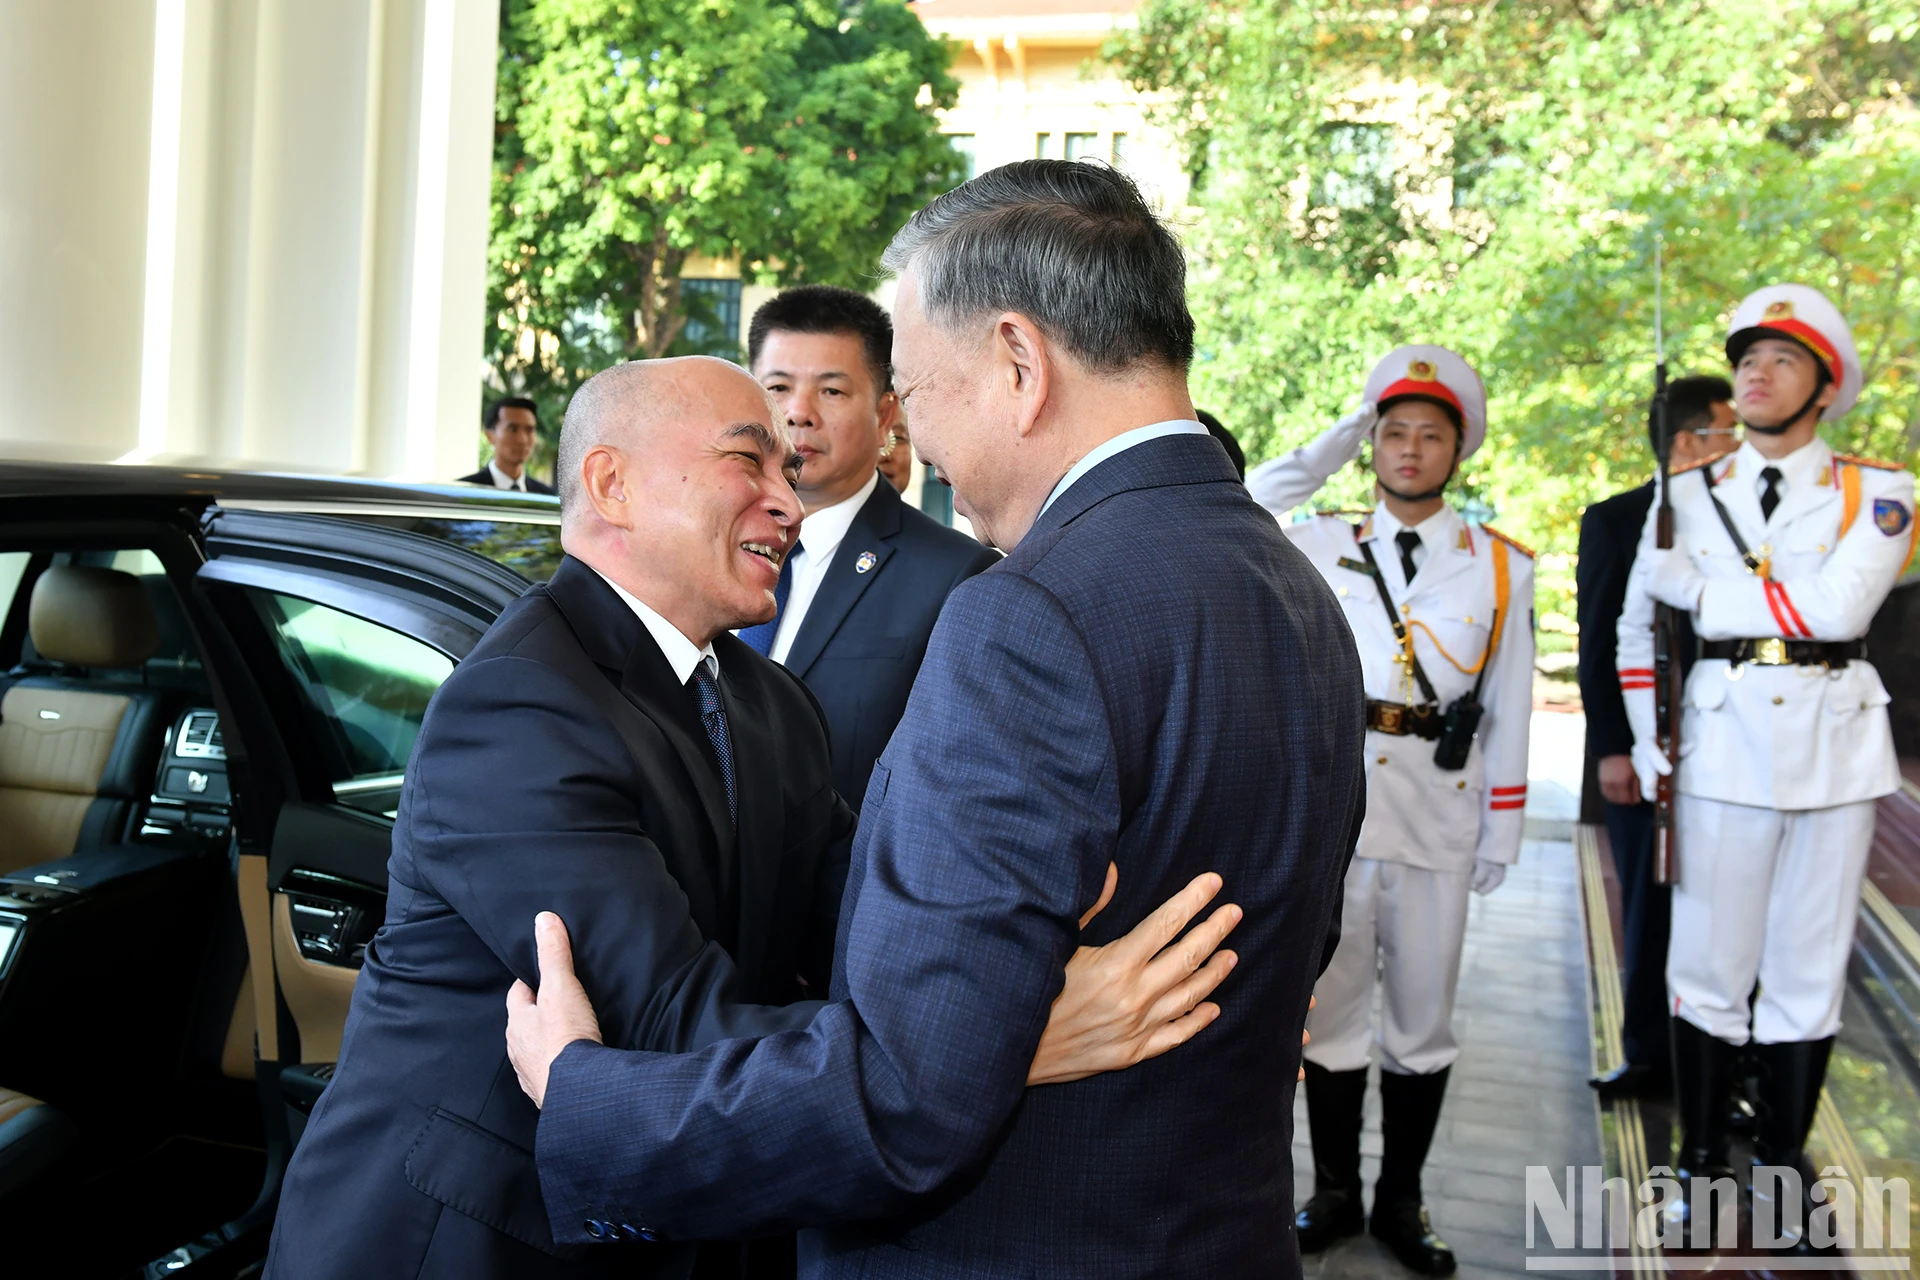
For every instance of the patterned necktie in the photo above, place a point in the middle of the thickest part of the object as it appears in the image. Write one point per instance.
(1770, 496)
(1408, 540)
(760, 637)
(713, 717)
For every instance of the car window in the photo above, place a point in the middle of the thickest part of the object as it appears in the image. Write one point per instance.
(365, 687)
(530, 550)
(12, 565)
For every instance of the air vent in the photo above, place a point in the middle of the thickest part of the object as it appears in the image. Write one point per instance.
(199, 737)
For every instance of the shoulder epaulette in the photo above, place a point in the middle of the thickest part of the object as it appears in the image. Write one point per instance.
(1691, 466)
(1876, 463)
(1521, 547)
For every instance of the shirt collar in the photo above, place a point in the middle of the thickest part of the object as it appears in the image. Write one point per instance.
(501, 480)
(1802, 465)
(1433, 531)
(822, 532)
(679, 651)
(1120, 444)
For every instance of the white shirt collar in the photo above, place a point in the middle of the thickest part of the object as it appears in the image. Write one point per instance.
(1433, 530)
(1802, 465)
(679, 651)
(1120, 444)
(822, 532)
(501, 480)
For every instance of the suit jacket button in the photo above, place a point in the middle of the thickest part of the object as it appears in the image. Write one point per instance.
(648, 1233)
(595, 1228)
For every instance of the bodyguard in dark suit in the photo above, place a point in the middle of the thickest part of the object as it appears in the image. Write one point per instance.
(1154, 677)
(630, 765)
(1701, 413)
(858, 598)
(512, 427)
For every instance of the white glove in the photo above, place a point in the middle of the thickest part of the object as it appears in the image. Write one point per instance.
(1674, 580)
(1332, 450)
(1651, 766)
(1487, 875)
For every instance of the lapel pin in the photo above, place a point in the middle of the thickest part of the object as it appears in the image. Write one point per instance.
(866, 561)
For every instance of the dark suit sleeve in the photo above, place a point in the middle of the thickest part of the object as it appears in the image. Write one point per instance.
(987, 830)
(1600, 584)
(521, 800)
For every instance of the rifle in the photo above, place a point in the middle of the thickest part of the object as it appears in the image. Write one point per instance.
(1667, 673)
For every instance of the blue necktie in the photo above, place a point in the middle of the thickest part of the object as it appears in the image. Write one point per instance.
(761, 637)
(713, 717)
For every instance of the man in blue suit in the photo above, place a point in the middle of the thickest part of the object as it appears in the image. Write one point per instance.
(863, 586)
(1154, 677)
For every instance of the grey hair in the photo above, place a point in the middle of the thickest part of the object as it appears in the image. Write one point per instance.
(1070, 244)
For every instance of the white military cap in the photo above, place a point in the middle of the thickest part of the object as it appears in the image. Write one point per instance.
(1804, 315)
(1438, 375)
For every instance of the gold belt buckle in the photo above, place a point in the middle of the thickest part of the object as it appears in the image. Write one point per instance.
(1770, 652)
(1392, 719)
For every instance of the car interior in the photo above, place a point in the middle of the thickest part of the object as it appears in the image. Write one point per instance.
(144, 1075)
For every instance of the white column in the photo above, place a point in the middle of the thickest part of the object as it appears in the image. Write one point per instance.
(74, 96)
(248, 231)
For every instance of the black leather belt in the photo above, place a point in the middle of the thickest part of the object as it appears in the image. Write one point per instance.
(1776, 652)
(1400, 720)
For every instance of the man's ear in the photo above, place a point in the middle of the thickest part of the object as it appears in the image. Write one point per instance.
(1828, 392)
(603, 479)
(1024, 360)
(889, 414)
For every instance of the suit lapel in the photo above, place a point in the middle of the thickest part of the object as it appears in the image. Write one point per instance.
(756, 785)
(615, 638)
(872, 531)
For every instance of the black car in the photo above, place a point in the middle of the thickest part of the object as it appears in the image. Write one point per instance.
(211, 685)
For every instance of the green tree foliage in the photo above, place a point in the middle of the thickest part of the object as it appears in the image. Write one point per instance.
(1493, 177)
(795, 136)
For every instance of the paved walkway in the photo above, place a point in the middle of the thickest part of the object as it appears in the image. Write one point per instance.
(1518, 1095)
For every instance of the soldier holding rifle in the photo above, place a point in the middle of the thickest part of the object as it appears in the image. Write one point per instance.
(1782, 552)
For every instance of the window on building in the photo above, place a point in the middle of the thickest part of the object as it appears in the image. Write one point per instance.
(1357, 166)
(1083, 146)
(967, 145)
(1121, 148)
(713, 318)
(1043, 147)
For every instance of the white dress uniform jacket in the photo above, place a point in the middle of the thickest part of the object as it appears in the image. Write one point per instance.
(1779, 737)
(1417, 813)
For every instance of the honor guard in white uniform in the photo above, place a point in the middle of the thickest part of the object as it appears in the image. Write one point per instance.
(1442, 613)
(1783, 551)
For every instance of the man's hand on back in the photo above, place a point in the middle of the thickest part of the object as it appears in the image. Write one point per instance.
(539, 1027)
(1618, 782)
(1138, 996)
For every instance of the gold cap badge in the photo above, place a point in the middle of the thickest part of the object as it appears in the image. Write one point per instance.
(1781, 310)
(1421, 371)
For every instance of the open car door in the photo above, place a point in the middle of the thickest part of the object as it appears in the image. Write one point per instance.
(340, 632)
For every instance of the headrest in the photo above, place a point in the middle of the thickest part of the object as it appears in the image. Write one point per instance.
(92, 617)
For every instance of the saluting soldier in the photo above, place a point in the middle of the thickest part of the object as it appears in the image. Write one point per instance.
(1783, 551)
(1442, 613)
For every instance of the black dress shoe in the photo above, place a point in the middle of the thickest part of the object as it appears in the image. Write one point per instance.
(1633, 1080)
(1403, 1227)
(1327, 1217)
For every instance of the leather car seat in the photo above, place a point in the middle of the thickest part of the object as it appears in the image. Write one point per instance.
(33, 1137)
(77, 751)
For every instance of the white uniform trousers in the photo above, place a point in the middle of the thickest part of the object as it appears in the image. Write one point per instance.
(1406, 924)
(1766, 894)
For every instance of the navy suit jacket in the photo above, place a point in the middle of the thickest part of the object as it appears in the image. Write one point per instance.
(1609, 540)
(1154, 677)
(560, 767)
(866, 631)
